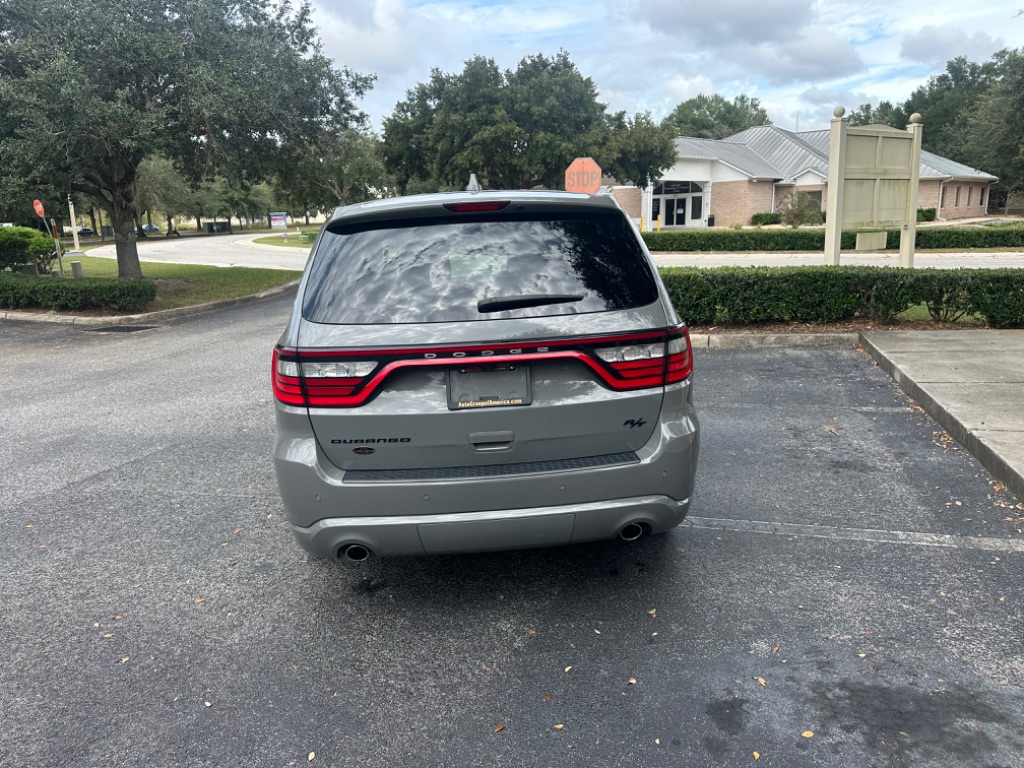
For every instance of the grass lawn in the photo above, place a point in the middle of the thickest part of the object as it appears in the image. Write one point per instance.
(920, 314)
(184, 285)
(293, 241)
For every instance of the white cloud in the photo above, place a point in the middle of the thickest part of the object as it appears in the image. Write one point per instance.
(937, 45)
(728, 21)
(683, 88)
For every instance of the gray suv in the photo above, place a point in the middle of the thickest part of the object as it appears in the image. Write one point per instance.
(479, 371)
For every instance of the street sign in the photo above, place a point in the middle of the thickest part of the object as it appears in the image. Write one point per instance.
(39, 208)
(583, 175)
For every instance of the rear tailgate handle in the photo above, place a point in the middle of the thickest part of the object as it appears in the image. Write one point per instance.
(492, 441)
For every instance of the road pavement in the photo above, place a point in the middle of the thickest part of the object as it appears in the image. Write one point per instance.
(217, 251)
(847, 591)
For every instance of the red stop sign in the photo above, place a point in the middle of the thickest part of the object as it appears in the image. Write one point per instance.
(39, 208)
(583, 175)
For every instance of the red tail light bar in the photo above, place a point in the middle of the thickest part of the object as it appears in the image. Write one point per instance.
(318, 378)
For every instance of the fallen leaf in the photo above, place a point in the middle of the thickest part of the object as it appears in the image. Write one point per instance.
(1002, 599)
(199, 600)
(657, 741)
(207, 704)
(311, 758)
(499, 728)
(238, 530)
(568, 668)
(775, 649)
(118, 617)
(757, 755)
(485, 667)
(109, 634)
(653, 612)
(30, 526)
(597, 631)
(123, 660)
(558, 726)
(631, 681)
(760, 680)
(862, 655)
(533, 633)
(654, 634)
(904, 733)
(807, 734)
(546, 697)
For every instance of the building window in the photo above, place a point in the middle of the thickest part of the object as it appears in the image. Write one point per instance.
(970, 195)
(814, 197)
(942, 203)
(981, 201)
(956, 200)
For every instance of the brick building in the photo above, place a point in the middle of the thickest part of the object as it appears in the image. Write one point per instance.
(720, 183)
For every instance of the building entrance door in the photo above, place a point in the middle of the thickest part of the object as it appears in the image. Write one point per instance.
(675, 212)
(679, 203)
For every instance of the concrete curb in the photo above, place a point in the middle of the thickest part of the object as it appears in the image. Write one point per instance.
(989, 457)
(754, 340)
(148, 317)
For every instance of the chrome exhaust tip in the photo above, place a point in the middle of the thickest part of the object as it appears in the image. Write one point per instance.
(356, 553)
(631, 532)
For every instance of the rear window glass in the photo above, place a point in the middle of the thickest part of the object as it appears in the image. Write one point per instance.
(475, 267)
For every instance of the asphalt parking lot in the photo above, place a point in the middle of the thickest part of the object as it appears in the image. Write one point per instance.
(848, 591)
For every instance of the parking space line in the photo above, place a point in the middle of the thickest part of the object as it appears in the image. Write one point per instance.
(858, 534)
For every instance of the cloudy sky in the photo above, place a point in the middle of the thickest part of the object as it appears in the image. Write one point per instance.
(799, 57)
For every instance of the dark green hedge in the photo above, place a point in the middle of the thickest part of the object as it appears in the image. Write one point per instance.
(814, 239)
(764, 219)
(926, 214)
(17, 291)
(24, 245)
(828, 294)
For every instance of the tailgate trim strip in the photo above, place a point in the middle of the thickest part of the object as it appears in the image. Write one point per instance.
(489, 470)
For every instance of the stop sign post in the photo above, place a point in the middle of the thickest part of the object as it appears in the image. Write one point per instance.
(583, 175)
(41, 212)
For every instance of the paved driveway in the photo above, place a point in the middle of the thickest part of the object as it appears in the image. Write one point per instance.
(848, 572)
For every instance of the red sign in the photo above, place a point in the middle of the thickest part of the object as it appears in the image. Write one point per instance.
(39, 208)
(583, 175)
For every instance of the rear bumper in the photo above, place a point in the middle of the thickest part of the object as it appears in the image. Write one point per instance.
(329, 511)
(491, 531)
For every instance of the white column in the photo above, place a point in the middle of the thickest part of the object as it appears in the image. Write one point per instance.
(909, 231)
(836, 179)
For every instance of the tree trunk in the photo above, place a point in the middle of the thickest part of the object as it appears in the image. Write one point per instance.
(122, 215)
(92, 218)
(199, 224)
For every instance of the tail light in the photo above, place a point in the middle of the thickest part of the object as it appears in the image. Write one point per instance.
(349, 378)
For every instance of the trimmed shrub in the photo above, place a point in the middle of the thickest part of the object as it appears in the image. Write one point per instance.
(693, 293)
(764, 219)
(814, 239)
(18, 291)
(24, 245)
(997, 295)
(828, 294)
(926, 214)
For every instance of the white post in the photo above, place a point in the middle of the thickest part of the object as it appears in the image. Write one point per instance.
(908, 232)
(74, 224)
(836, 179)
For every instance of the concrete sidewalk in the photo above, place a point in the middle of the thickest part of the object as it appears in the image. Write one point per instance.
(971, 382)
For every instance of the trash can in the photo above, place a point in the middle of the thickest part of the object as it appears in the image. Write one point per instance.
(711, 220)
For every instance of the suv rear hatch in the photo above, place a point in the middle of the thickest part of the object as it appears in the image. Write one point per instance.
(482, 339)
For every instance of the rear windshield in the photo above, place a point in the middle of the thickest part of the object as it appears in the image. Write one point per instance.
(477, 267)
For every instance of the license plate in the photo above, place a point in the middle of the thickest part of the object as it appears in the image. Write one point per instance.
(488, 386)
